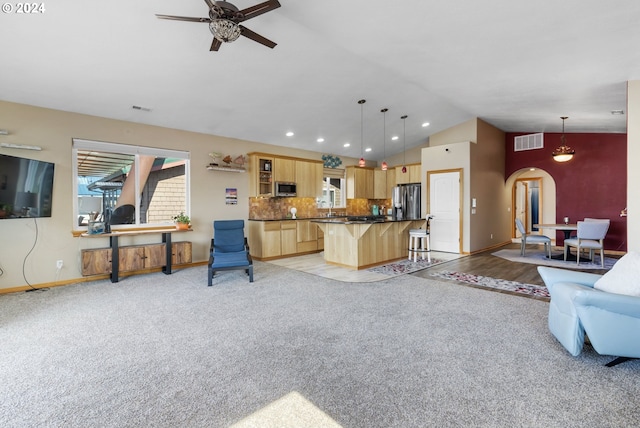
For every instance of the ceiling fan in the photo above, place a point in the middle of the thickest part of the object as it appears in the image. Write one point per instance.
(224, 21)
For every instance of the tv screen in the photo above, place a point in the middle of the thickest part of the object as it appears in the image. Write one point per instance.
(26, 187)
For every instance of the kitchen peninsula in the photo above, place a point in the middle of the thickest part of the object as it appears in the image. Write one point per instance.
(362, 242)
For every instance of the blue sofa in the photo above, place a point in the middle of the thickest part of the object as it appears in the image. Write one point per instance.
(610, 320)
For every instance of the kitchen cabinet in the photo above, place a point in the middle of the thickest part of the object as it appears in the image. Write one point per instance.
(261, 178)
(383, 183)
(413, 174)
(282, 238)
(306, 236)
(309, 178)
(264, 239)
(359, 182)
(288, 243)
(284, 169)
(391, 182)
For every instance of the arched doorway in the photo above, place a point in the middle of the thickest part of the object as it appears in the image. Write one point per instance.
(533, 198)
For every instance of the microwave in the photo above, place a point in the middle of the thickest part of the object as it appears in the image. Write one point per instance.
(285, 189)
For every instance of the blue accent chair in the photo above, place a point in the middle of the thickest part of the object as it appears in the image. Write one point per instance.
(229, 249)
(610, 321)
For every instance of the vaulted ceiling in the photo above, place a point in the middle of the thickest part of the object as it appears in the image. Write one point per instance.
(517, 65)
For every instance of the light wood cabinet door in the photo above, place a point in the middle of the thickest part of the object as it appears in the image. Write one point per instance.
(380, 178)
(308, 179)
(284, 170)
(359, 183)
(306, 236)
(264, 239)
(391, 182)
(288, 232)
(412, 175)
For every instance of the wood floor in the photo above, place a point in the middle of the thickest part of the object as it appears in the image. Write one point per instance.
(478, 264)
(487, 265)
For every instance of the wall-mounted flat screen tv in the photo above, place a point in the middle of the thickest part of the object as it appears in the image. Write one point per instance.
(26, 187)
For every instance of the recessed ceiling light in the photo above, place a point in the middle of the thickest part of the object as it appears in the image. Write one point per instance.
(424, 125)
(532, 169)
(617, 112)
(347, 145)
(289, 134)
(368, 149)
(394, 138)
(320, 140)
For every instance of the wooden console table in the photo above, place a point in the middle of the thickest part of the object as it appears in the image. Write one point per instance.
(115, 247)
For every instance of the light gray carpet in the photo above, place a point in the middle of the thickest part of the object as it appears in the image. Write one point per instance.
(168, 351)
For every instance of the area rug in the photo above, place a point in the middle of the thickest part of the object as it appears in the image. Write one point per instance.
(538, 257)
(531, 290)
(405, 266)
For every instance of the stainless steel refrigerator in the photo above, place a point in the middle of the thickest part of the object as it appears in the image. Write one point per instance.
(406, 201)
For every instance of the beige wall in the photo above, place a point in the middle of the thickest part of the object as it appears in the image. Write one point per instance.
(489, 224)
(477, 148)
(53, 130)
(465, 131)
(633, 172)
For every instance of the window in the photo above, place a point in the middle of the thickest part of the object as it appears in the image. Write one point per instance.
(128, 185)
(333, 189)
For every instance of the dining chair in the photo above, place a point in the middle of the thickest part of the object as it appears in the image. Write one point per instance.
(590, 236)
(532, 239)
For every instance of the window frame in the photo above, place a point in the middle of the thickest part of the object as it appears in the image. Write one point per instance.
(136, 151)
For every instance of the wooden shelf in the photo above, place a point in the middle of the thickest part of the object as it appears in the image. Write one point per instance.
(226, 168)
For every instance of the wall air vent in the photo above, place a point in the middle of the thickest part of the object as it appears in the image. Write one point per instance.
(529, 142)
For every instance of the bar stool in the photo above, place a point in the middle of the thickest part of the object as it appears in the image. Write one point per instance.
(419, 243)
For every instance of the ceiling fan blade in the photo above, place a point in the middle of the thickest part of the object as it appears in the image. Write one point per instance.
(259, 9)
(209, 3)
(183, 18)
(256, 37)
(215, 45)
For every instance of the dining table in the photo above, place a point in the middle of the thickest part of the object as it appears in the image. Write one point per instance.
(566, 228)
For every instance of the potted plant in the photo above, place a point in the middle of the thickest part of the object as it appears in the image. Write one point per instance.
(182, 220)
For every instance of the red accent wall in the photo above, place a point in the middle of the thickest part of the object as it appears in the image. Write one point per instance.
(592, 184)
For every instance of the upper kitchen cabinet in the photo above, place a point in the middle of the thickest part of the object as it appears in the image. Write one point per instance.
(413, 174)
(284, 170)
(308, 178)
(260, 175)
(359, 182)
(383, 183)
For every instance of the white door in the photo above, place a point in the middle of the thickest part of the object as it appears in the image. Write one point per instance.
(444, 206)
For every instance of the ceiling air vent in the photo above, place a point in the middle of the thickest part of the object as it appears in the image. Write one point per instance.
(529, 142)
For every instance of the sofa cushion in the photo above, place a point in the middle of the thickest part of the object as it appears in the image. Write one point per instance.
(624, 277)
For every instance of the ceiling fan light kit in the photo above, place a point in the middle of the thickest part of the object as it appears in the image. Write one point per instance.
(224, 30)
(563, 153)
(224, 22)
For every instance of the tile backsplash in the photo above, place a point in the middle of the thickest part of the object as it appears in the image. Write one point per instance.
(280, 208)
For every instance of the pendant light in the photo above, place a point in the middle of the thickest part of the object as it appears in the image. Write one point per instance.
(384, 139)
(404, 144)
(362, 162)
(563, 153)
